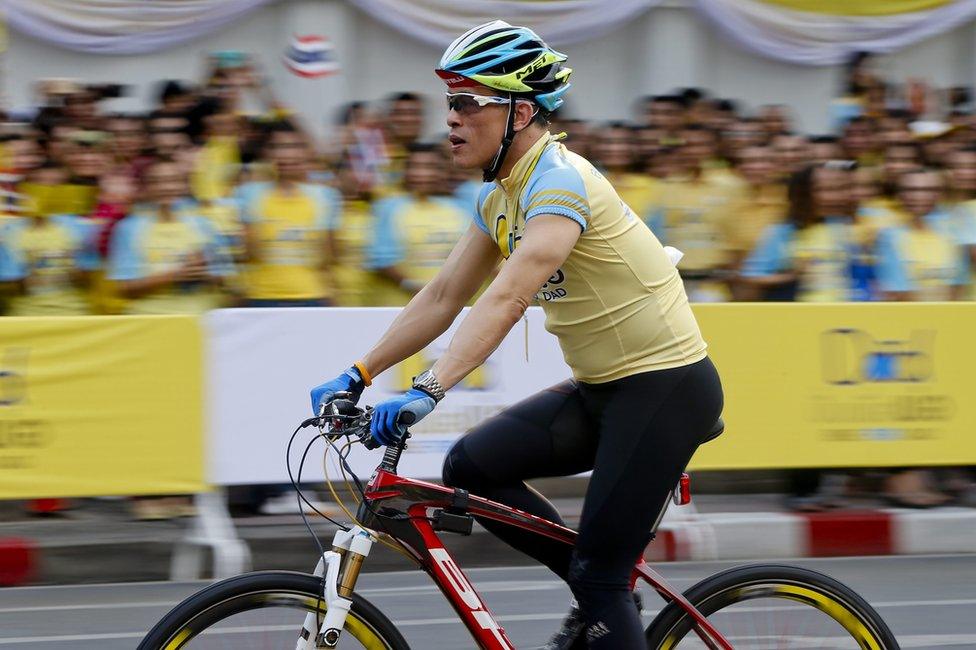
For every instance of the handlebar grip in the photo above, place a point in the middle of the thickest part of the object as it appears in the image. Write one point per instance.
(407, 418)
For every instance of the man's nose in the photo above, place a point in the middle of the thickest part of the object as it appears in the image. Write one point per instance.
(453, 119)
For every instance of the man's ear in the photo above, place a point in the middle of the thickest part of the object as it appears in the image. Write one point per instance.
(524, 112)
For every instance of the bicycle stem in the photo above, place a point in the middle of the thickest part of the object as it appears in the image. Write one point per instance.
(391, 457)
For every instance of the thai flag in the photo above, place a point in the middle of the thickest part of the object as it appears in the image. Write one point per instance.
(311, 56)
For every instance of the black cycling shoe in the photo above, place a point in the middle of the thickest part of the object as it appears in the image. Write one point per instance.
(570, 636)
(570, 633)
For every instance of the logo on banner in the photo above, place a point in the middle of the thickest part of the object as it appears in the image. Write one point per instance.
(850, 357)
(311, 57)
(886, 389)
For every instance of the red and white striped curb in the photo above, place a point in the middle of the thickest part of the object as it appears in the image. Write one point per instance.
(741, 536)
(17, 561)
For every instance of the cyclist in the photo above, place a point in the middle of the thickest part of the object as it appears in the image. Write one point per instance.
(644, 392)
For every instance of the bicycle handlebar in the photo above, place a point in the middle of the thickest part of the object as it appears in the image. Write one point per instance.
(346, 419)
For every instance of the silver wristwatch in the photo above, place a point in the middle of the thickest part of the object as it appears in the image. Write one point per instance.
(427, 382)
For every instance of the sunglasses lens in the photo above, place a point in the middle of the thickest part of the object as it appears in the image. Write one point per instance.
(462, 104)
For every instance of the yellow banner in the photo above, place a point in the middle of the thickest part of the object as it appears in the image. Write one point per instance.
(100, 406)
(842, 385)
(859, 7)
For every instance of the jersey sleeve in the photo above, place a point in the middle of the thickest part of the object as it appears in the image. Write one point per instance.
(771, 254)
(385, 250)
(218, 262)
(327, 204)
(85, 234)
(964, 225)
(13, 265)
(479, 204)
(332, 199)
(558, 190)
(247, 198)
(125, 259)
(889, 264)
(961, 275)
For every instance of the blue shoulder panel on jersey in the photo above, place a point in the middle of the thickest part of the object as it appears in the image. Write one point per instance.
(246, 196)
(890, 265)
(483, 193)
(125, 255)
(556, 187)
(13, 264)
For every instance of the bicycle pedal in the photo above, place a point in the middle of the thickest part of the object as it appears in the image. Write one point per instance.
(452, 522)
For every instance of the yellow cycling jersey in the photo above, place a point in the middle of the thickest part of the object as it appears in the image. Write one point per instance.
(617, 305)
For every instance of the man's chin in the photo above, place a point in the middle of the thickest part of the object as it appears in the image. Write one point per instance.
(462, 161)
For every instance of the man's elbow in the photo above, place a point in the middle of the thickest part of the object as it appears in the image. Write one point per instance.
(510, 303)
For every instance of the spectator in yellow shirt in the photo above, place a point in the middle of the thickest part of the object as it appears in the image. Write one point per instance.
(218, 161)
(416, 229)
(404, 124)
(762, 203)
(810, 256)
(289, 224)
(922, 259)
(163, 257)
(356, 286)
(47, 259)
(614, 152)
(693, 216)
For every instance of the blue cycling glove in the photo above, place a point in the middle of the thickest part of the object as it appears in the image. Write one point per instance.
(350, 381)
(387, 428)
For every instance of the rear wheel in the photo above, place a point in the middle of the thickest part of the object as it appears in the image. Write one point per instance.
(265, 610)
(773, 606)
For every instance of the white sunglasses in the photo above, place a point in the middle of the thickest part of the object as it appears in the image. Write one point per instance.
(466, 103)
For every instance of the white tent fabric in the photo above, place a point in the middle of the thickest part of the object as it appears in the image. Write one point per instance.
(806, 38)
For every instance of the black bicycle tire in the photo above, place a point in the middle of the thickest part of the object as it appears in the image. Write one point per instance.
(706, 597)
(239, 587)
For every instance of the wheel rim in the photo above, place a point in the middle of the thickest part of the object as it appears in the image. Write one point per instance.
(754, 616)
(266, 619)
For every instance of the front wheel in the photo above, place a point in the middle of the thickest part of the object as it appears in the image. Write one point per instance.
(773, 606)
(265, 610)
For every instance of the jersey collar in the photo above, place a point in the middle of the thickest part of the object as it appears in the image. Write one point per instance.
(523, 168)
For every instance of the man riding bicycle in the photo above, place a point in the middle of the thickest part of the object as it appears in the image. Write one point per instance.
(643, 393)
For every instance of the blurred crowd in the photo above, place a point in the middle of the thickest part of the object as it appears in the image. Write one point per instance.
(221, 196)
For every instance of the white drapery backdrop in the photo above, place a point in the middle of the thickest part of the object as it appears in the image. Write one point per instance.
(116, 27)
(122, 26)
(807, 38)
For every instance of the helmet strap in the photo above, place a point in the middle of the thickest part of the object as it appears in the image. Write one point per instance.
(491, 171)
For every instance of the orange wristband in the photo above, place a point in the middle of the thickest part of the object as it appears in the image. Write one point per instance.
(363, 372)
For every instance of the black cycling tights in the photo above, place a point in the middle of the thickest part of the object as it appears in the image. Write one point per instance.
(637, 434)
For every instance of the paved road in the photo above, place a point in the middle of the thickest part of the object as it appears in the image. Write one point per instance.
(928, 601)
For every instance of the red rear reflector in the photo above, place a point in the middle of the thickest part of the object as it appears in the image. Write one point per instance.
(682, 491)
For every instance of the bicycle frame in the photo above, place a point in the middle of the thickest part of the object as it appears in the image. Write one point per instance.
(403, 508)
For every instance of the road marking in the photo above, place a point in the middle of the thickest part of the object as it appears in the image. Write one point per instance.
(485, 587)
(681, 564)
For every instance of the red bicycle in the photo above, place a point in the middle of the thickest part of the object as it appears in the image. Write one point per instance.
(756, 606)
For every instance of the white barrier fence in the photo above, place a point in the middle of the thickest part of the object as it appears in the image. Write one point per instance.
(261, 364)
